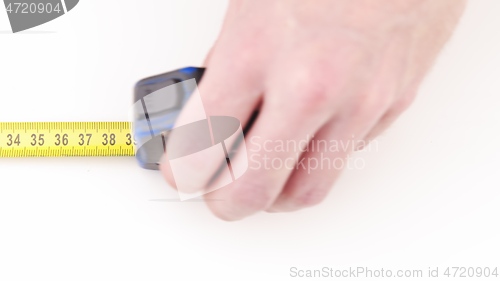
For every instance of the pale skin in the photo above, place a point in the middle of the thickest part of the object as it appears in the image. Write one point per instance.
(332, 69)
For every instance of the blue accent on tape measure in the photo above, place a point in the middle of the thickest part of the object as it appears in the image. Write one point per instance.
(188, 70)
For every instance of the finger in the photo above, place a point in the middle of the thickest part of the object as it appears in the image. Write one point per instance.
(224, 91)
(165, 167)
(311, 183)
(318, 168)
(270, 167)
(328, 154)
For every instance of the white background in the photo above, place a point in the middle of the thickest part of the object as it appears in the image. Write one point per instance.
(428, 197)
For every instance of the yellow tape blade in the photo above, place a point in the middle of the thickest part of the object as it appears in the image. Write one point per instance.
(65, 139)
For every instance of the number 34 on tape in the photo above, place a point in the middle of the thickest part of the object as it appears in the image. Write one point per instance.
(65, 139)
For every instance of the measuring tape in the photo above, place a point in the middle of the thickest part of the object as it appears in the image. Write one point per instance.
(65, 139)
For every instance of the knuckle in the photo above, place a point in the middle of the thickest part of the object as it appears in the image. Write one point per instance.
(243, 61)
(242, 69)
(310, 91)
(238, 66)
(234, 60)
(242, 58)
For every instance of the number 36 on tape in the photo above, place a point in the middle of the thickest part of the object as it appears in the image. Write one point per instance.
(64, 139)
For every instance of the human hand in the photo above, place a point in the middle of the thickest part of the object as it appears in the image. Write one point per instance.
(328, 70)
